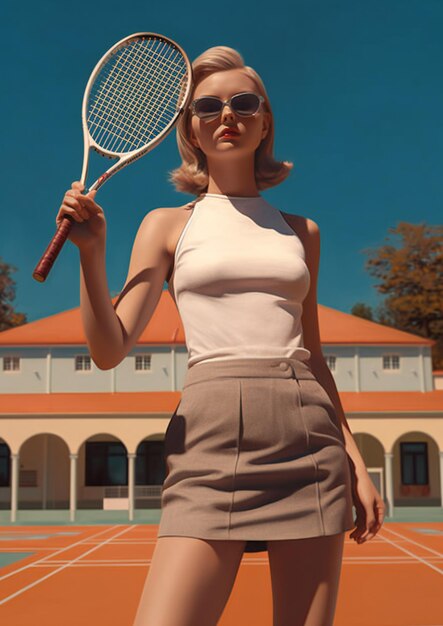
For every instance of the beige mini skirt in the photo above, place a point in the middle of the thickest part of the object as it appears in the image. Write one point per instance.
(254, 451)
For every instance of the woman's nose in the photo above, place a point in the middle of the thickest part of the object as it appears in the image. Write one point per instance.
(227, 112)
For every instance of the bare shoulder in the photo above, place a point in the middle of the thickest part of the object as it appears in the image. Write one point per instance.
(167, 215)
(167, 221)
(307, 230)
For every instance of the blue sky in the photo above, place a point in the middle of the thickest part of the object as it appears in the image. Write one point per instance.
(357, 96)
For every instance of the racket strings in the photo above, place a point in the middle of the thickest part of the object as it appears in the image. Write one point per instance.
(162, 103)
(118, 109)
(124, 115)
(136, 95)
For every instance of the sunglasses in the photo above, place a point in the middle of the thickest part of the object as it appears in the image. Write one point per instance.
(210, 107)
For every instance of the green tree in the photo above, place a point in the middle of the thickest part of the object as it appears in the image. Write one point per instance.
(410, 271)
(360, 309)
(8, 317)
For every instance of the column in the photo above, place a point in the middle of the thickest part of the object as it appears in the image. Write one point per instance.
(421, 365)
(131, 483)
(357, 386)
(14, 485)
(73, 486)
(389, 457)
(48, 371)
(173, 381)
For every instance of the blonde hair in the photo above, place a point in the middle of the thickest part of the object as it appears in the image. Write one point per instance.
(192, 175)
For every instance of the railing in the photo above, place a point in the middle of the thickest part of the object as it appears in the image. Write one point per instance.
(146, 492)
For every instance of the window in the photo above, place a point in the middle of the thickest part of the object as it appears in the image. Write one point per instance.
(82, 362)
(414, 463)
(11, 363)
(391, 362)
(331, 361)
(150, 466)
(5, 464)
(106, 464)
(143, 361)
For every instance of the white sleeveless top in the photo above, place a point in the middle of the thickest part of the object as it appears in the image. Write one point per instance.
(239, 280)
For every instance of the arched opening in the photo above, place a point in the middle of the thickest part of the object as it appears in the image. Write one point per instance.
(102, 469)
(150, 472)
(5, 475)
(43, 473)
(373, 455)
(416, 470)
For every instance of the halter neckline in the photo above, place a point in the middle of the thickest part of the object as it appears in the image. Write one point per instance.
(224, 196)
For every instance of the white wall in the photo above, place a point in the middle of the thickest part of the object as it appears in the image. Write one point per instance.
(358, 368)
(44, 370)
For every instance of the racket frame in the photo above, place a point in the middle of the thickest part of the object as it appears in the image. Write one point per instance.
(127, 157)
(43, 267)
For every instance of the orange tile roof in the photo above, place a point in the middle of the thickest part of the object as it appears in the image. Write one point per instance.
(165, 327)
(144, 402)
(344, 328)
(66, 328)
(392, 401)
(148, 402)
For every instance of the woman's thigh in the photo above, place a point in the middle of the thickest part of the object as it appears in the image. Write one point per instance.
(305, 576)
(189, 581)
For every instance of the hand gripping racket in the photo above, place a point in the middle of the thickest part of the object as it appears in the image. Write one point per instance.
(132, 101)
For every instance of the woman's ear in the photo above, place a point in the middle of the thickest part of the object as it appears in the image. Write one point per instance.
(190, 132)
(266, 124)
(193, 140)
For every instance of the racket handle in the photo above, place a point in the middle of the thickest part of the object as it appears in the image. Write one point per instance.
(43, 267)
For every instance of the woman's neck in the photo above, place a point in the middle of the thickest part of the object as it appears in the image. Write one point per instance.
(233, 178)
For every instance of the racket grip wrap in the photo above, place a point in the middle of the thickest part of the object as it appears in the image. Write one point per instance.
(43, 267)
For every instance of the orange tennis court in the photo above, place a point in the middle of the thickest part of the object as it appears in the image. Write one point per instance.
(94, 574)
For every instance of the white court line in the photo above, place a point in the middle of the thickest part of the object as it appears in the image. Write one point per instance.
(148, 542)
(40, 580)
(36, 532)
(416, 556)
(264, 562)
(245, 561)
(102, 565)
(71, 545)
(131, 562)
(103, 561)
(24, 549)
(417, 543)
(350, 559)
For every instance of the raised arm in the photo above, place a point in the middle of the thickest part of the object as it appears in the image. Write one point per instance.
(111, 331)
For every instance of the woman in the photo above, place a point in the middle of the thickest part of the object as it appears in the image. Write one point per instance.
(257, 457)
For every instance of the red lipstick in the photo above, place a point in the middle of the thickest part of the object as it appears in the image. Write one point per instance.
(229, 132)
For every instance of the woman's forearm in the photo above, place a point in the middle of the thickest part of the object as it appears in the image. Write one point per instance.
(103, 330)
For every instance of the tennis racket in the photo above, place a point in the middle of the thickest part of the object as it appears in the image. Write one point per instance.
(132, 101)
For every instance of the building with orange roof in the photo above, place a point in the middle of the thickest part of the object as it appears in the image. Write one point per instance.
(75, 437)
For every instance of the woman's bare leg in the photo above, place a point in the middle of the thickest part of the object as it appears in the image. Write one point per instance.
(189, 581)
(305, 575)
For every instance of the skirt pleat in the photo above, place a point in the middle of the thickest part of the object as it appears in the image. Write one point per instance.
(255, 451)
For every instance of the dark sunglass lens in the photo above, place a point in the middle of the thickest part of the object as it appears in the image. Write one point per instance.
(246, 104)
(207, 107)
